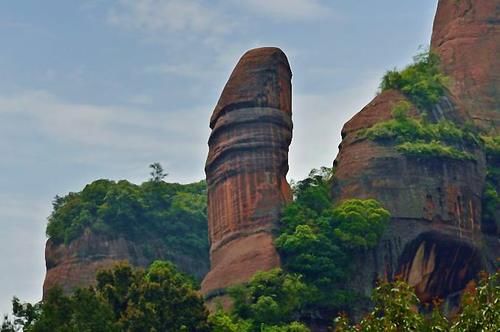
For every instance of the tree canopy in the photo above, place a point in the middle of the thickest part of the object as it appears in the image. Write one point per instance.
(124, 299)
(318, 239)
(422, 81)
(397, 309)
(173, 213)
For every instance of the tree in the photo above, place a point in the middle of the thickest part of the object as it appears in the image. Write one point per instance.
(157, 173)
(173, 214)
(397, 309)
(125, 299)
(480, 306)
(422, 81)
(270, 298)
(160, 298)
(7, 325)
(318, 240)
(84, 311)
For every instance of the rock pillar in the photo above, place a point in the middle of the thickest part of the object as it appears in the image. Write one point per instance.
(246, 168)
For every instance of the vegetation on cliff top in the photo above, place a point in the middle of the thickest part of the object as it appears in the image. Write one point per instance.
(418, 137)
(423, 84)
(422, 81)
(492, 145)
(175, 213)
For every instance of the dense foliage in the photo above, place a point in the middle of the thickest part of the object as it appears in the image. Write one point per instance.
(162, 299)
(270, 301)
(491, 198)
(270, 297)
(417, 137)
(492, 145)
(434, 149)
(422, 82)
(158, 299)
(396, 309)
(317, 243)
(174, 213)
(318, 240)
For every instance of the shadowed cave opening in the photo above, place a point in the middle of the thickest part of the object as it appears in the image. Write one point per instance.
(439, 266)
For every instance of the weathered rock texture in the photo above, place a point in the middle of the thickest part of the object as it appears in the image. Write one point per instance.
(246, 167)
(466, 35)
(435, 239)
(76, 264)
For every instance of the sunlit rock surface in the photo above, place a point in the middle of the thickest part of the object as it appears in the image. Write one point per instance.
(246, 168)
(466, 35)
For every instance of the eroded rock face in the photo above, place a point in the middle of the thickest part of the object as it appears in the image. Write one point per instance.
(466, 35)
(76, 264)
(246, 167)
(439, 265)
(435, 240)
(439, 190)
(432, 194)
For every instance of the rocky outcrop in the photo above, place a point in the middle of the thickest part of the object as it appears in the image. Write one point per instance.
(440, 190)
(435, 239)
(246, 167)
(466, 36)
(76, 264)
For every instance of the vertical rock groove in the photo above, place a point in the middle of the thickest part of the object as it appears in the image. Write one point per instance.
(246, 167)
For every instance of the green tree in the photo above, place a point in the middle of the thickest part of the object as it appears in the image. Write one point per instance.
(125, 299)
(480, 306)
(221, 321)
(397, 309)
(417, 137)
(224, 322)
(82, 311)
(174, 214)
(318, 240)
(422, 81)
(270, 298)
(157, 173)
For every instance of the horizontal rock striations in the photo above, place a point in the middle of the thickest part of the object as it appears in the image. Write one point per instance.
(246, 167)
(77, 263)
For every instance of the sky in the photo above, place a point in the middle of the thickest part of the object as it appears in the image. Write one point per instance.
(94, 89)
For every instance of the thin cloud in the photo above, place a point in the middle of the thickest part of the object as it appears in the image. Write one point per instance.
(189, 70)
(107, 133)
(287, 10)
(172, 16)
(141, 99)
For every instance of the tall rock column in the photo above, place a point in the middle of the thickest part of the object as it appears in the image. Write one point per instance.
(466, 35)
(246, 168)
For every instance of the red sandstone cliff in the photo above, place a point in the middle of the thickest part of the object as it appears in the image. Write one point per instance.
(246, 167)
(466, 35)
(435, 240)
(76, 264)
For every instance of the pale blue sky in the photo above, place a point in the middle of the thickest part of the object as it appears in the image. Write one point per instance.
(101, 89)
